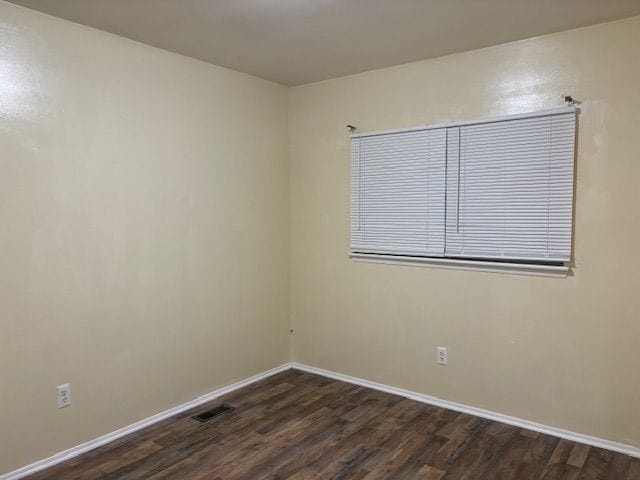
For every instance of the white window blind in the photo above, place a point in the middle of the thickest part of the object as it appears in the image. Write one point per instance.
(510, 186)
(398, 192)
(492, 189)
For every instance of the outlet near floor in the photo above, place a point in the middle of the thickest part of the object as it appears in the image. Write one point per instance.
(442, 355)
(64, 395)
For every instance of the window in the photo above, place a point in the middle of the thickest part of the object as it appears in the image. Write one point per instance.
(491, 193)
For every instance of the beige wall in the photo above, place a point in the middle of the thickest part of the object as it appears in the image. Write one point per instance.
(143, 231)
(563, 352)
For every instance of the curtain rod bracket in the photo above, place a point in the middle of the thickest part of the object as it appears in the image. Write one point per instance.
(569, 100)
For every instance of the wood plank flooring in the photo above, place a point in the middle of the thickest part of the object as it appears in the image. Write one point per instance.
(300, 426)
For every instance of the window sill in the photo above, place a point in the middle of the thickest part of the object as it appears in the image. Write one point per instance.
(559, 271)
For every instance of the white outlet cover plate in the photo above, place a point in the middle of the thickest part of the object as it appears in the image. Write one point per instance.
(442, 356)
(64, 395)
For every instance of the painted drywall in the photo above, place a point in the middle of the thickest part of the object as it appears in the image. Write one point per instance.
(562, 352)
(143, 247)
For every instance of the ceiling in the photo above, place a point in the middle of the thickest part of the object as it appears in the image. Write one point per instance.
(299, 41)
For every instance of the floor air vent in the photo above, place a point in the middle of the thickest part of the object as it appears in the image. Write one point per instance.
(213, 412)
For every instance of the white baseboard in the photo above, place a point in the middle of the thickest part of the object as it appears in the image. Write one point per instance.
(479, 412)
(110, 437)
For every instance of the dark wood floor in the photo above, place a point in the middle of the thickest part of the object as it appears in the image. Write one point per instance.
(295, 425)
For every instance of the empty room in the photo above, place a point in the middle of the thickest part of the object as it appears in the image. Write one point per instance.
(319, 239)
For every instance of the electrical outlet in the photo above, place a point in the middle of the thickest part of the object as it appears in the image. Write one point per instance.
(64, 395)
(442, 356)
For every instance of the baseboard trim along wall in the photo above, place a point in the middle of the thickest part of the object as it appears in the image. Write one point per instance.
(479, 412)
(110, 437)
